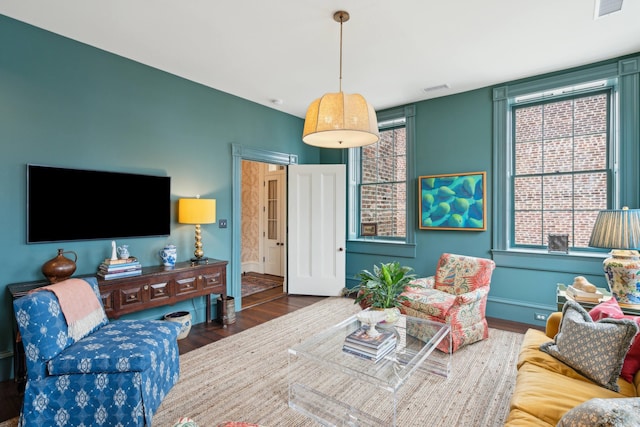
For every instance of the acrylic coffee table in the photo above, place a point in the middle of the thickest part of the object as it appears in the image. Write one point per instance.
(338, 389)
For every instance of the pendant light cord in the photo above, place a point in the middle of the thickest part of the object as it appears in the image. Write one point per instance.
(340, 53)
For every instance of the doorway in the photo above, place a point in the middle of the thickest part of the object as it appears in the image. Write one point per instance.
(239, 154)
(331, 242)
(263, 252)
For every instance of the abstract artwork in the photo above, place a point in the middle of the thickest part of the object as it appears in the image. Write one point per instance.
(453, 201)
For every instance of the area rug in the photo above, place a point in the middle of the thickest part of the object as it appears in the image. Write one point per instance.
(253, 284)
(243, 378)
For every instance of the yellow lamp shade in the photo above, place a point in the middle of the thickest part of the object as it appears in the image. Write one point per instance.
(338, 120)
(196, 211)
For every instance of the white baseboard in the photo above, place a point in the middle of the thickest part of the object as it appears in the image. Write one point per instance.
(252, 267)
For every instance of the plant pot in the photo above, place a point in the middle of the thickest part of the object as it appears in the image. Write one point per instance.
(392, 315)
(182, 317)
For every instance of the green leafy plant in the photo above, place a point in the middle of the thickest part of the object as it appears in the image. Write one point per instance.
(382, 288)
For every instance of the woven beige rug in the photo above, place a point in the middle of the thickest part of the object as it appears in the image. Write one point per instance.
(244, 378)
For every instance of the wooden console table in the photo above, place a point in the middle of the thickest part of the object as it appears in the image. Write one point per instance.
(155, 287)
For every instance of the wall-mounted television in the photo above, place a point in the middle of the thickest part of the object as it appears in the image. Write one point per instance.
(66, 204)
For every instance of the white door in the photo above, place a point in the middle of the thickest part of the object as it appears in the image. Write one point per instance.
(274, 221)
(316, 235)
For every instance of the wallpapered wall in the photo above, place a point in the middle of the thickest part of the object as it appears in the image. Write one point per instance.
(251, 172)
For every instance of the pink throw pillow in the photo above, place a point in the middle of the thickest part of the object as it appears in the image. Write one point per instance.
(632, 359)
(607, 309)
(611, 309)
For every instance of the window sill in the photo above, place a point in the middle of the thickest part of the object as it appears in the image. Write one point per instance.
(381, 247)
(541, 260)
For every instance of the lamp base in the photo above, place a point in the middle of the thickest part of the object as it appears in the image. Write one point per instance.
(622, 271)
(198, 261)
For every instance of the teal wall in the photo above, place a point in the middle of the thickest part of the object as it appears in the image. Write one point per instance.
(455, 134)
(66, 104)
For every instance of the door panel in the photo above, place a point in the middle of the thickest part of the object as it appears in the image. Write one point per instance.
(316, 234)
(273, 234)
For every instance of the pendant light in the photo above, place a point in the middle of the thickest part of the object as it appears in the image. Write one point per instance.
(339, 120)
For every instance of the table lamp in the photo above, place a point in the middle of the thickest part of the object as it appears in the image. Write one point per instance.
(619, 230)
(197, 211)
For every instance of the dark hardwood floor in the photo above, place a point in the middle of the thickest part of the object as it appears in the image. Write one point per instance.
(257, 309)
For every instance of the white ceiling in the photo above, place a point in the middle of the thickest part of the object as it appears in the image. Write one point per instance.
(288, 50)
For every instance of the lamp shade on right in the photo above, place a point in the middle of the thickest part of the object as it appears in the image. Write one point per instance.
(619, 230)
(616, 229)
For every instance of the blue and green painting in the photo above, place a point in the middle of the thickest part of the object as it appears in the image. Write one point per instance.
(453, 201)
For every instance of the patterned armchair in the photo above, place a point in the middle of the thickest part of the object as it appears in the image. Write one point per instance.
(456, 295)
(107, 374)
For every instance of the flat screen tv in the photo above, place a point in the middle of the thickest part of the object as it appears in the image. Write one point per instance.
(76, 204)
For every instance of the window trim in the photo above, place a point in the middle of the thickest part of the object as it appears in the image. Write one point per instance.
(625, 115)
(397, 247)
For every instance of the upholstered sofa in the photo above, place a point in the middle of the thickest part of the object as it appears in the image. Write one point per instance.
(585, 389)
(456, 295)
(83, 370)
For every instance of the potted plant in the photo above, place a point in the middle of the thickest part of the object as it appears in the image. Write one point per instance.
(382, 288)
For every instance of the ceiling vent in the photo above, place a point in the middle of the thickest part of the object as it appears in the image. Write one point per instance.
(434, 88)
(606, 7)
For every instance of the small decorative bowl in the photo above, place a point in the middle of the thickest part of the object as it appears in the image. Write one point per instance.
(371, 318)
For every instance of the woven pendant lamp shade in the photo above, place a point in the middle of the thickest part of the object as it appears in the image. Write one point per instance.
(339, 120)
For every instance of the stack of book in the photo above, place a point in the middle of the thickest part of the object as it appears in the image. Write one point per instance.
(358, 343)
(116, 268)
(583, 296)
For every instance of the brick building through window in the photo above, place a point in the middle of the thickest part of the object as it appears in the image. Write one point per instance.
(383, 189)
(560, 168)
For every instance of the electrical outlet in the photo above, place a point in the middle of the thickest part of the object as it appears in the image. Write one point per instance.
(222, 223)
(539, 316)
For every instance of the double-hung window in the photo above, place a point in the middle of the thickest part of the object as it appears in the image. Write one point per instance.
(561, 176)
(380, 186)
(565, 147)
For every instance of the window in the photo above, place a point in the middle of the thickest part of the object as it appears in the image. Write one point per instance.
(380, 188)
(564, 147)
(383, 184)
(560, 176)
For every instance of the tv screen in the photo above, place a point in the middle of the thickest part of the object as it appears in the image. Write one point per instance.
(75, 204)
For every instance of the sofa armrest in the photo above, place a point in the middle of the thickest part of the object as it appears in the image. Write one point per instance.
(553, 324)
(422, 282)
(471, 297)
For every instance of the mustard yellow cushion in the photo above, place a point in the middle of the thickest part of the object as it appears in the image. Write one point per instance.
(548, 395)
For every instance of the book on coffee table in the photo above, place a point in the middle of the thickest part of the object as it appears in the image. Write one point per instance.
(375, 348)
(360, 336)
(367, 354)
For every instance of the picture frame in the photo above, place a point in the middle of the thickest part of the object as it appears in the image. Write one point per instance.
(558, 243)
(453, 201)
(369, 229)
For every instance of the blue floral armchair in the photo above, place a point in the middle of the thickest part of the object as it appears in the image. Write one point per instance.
(117, 374)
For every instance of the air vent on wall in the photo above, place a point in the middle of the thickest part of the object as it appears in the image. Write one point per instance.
(606, 7)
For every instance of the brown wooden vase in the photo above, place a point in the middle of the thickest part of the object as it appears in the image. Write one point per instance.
(59, 268)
